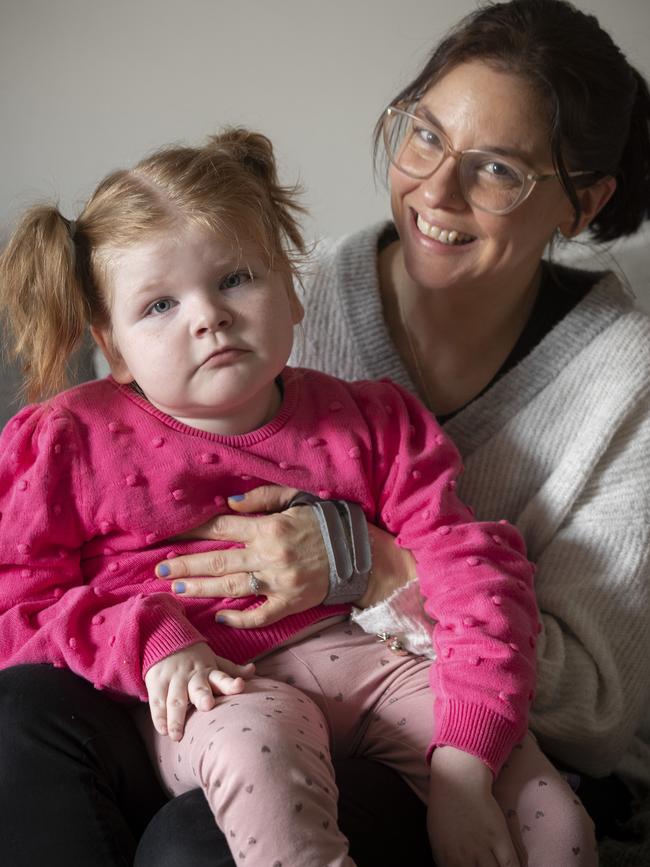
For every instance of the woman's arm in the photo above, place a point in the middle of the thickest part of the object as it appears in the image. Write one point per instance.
(593, 588)
(285, 550)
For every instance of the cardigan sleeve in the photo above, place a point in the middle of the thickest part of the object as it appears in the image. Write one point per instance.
(593, 587)
(475, 579)
(48, 613)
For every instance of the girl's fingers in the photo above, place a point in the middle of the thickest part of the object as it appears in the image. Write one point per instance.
(506, 857)
(231, 668)
(200, 692)
(224, 684)
(158, 710)
(176, 708)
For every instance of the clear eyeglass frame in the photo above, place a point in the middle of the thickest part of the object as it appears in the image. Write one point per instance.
(528, 180)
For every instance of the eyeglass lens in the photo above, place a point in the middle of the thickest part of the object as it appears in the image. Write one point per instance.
(418, 148)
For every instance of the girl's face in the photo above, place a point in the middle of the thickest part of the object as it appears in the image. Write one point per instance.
(479, 107)
(202, 327)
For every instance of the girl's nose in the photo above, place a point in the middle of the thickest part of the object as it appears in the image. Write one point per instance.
(442, 188)
(211, 316)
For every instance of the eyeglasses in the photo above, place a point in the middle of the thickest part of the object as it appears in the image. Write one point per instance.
(487, 181)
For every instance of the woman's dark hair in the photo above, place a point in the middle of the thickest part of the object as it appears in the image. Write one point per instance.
(598, 104)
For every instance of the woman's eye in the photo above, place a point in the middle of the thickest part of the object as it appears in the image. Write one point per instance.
(237, 278)
(161, 306)
(427, 137)
(500, 171)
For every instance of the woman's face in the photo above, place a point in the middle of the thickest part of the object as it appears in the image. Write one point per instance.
(479, 107)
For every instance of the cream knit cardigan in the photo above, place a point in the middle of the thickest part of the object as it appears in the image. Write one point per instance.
(560, 446)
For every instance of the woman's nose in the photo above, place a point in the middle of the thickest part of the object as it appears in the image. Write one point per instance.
(442, 188)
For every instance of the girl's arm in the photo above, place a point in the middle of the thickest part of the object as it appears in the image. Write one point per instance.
(465, 823)
(109, 635)
(474, 576)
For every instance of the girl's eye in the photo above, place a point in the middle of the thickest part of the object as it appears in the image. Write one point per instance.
(237, 278)
(161, 306)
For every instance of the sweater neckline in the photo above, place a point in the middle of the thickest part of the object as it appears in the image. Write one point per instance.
(479, 420)
(290, 399)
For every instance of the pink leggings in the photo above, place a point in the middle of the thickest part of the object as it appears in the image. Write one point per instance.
(263, 758)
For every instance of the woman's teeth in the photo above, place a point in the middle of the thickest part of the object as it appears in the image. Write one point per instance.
(442, 235)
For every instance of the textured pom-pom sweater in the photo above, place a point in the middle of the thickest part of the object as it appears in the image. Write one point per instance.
(94, 483)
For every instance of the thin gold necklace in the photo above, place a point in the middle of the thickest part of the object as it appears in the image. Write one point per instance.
(421, 381)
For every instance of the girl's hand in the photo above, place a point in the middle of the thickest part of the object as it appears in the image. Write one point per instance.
(464, 821)
(285, 551)
(190, 676)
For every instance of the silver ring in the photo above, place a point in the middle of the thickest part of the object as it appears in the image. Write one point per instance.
(255, 584)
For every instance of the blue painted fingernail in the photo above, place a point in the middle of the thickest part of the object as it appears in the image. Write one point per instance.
(178, 587)
(163, 570)
(220, 618)
(237, 497)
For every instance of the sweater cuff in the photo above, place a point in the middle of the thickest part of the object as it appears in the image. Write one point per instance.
(165, 632)
(402, 615)
(476, 730)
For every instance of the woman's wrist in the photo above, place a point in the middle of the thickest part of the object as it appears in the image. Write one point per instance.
(392, 567)
(344, 532)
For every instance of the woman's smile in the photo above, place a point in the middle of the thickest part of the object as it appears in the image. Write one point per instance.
(444, 235)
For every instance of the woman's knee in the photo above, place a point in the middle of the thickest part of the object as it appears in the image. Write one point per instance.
(183, 834)
(27, 688)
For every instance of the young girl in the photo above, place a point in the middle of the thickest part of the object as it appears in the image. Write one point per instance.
(182, 267)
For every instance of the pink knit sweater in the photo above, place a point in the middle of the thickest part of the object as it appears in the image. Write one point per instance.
(94, 483)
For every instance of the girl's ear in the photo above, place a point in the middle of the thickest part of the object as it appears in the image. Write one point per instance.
(295, 305)
(103, 338)
(297, 310)
(592, 199)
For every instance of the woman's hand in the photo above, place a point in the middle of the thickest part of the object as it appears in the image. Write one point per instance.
(286, 553)
(464, 821)
(190, 676)
(284, 550)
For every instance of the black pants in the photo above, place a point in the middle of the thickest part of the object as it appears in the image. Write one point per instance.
(77, 790)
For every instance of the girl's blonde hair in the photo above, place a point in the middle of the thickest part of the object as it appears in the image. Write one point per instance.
(53, 277)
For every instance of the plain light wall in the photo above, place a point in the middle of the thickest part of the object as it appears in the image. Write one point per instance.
(88, 85)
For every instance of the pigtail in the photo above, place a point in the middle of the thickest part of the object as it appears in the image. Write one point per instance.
(42, 299)
(629, 206)
(255, 151)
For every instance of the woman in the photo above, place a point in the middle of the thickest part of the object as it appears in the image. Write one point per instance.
(541, 375)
